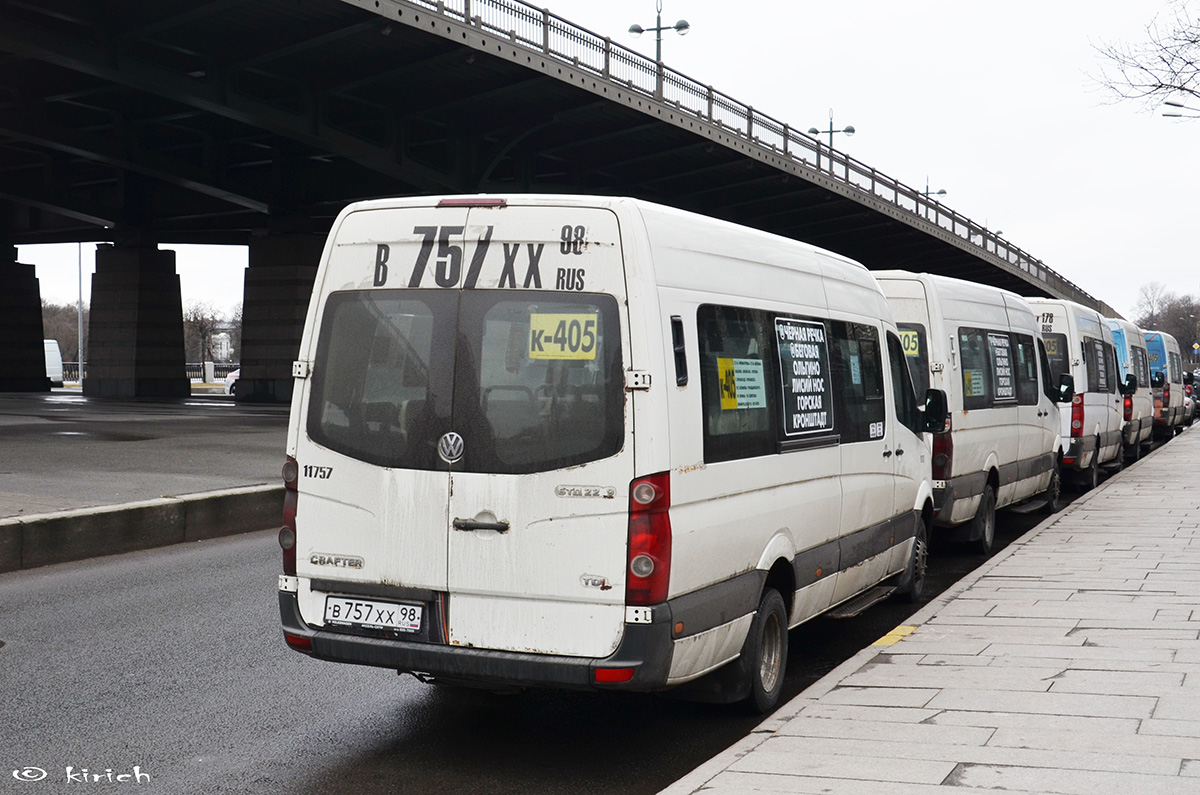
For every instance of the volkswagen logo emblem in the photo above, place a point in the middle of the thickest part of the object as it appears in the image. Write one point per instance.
(450, 447)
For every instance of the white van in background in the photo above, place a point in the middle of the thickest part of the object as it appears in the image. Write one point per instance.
(1166, 382)
(1137, 404)
(54, 363)
(591, 442)
(1079, 342)
(982, 346)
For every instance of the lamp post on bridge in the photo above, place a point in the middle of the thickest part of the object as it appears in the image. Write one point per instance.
(681, 27)
(847, 130)
(927, 192)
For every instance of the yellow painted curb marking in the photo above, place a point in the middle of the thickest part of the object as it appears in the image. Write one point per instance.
(895, 636)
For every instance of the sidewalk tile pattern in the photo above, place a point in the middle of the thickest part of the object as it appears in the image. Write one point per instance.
(1070, 663)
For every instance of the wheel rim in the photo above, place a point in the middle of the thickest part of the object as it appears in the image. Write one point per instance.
(920, 561)
(772, 653)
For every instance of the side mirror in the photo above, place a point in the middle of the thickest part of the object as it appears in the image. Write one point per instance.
(1066, 388)
(1159, 379)
(1188, 378)
(1131, 384)
(937, 410)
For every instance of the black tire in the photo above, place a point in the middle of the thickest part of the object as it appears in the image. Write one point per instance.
(983, 526)
(1053, 493)
(1133, 452)
(763, 661)
(1090, 477)
(910, 587)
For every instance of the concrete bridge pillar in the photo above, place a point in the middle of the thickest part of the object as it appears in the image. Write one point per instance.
(135, 333)
(22, 356)
(279, 281)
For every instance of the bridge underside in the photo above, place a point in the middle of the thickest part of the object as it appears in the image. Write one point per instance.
(238, 121)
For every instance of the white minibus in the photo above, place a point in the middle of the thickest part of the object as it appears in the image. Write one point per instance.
(592, 442)
(1079, 341)
(981, 345)
(1166, 381)
(1138, 403)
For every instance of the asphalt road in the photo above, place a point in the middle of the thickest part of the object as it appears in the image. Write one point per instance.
(63, 450)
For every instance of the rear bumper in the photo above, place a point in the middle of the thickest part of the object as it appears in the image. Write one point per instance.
(645, 648)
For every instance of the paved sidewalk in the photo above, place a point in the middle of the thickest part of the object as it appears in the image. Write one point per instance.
(1069, 663)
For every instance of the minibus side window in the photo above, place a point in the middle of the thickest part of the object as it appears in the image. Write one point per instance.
(1049, 387)
(1141, 364)
(857, 364)
(1026, 370)
(916, 353)
(1057, 353)
(907, 411)
(977, 374)
(738, 383)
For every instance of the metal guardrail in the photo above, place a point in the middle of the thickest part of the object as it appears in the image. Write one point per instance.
(195, 370)
(555, 37)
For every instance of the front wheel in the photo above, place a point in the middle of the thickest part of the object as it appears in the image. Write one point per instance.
(764, 654)
(911, 585)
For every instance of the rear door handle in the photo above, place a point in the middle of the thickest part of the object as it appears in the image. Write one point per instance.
(468, 524)
(887, 453)
(900, 451)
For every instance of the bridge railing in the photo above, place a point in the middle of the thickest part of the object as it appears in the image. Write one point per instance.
(561, 39)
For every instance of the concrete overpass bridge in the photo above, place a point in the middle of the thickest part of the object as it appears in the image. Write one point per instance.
(145, 123)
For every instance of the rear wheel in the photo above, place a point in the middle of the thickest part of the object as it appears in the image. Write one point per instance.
(1133, 452)
(1053, 492)
(764, 654)
(983, 526)
(1090, 477)
(911, 585)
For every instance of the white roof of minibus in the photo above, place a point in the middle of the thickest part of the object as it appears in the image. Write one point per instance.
(698, 252)
(962, 300)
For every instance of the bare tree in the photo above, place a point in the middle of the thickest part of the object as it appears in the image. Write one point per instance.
(61, 322)
(1166, 64)
(200, 320)
(1152, 300)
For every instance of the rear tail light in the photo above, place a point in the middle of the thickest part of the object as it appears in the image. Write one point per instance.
(649, 556)
(1128, 408)
(287, 533)
(1166, 395)
(298, 642)
(1077, 416)
(943, 453)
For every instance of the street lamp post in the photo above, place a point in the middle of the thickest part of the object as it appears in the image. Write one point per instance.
(681, 27)
(847, 130)
(927, 192)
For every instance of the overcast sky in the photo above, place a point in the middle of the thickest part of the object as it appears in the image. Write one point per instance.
(997, 103)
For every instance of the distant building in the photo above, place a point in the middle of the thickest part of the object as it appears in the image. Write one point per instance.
(222, 347)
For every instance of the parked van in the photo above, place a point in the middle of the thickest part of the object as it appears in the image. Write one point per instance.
(1138, 403)
(591, 442)
(54, 363)
(1079, 341)
(982, 346)
(1166, 382)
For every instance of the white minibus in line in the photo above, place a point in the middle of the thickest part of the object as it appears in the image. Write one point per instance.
(981, 345)
(591, 442)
